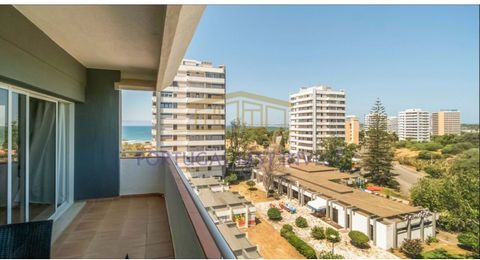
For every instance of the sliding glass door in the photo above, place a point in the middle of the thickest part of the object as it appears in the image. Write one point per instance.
(42, 157)
(35, 155)
(18, 125)
(3, 156)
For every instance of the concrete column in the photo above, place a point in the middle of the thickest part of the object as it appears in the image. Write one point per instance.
(409, 229)
(289, 191)
(351, 218)
(434, 224)
(374, 239)
(422, 231)
(246, 215)
(327, 213)
(345, 209)
(369, 228)
(299, 195)
(395, 236)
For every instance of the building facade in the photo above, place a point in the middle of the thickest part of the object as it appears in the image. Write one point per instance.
(446, 122)
(316, 113)
(352, 130)
(392, 124)
(189, 118)
(386, 222)
(414, 124)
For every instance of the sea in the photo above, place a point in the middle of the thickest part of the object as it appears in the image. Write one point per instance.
(136, 134)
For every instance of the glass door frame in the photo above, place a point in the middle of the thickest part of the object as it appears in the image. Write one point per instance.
(59, 209)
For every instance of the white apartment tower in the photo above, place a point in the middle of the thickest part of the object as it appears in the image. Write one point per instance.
(392, 124)
(316, 113)
(414, 124)
(189, 118)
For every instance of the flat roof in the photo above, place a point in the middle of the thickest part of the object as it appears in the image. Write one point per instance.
(211, 181)
(220, 198)
(323, 184)
(238, 241)
(312, 167)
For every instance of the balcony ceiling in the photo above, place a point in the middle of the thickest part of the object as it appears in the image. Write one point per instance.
(146, 43)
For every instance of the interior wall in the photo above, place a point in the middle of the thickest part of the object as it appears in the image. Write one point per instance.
(30, 59)
(97, 135)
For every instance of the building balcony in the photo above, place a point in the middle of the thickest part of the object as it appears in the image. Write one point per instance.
(169, 222)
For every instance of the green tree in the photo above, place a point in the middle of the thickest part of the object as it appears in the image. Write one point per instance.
(428, 193)
(346, 160)
(239, 141)
(379, 154)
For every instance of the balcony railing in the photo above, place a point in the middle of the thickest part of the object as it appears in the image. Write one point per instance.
(193, 232)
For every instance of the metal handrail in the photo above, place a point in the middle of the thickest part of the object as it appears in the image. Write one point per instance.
(222, 245)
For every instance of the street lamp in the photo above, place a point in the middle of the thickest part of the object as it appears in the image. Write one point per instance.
(333, 238)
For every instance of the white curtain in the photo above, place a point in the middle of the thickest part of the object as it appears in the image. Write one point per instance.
(42, 151)
(62, 151)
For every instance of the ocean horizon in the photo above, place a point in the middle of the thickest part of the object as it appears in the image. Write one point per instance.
(137, 133)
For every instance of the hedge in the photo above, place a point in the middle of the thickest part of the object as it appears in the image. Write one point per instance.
(359, 239)
(301, 222)
(329, 255)
(318, 233)
(302, 247)
(274, 214)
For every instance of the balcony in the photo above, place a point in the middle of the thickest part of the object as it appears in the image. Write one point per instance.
(167, 221)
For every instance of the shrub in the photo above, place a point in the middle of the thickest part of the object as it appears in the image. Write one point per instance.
(427, 155)
(301, 222)
(318, 233)
(359, 239)
(231, 178)
(290, 160)
(274, 214)
(412, 248)
(431, 239)
(469, 241)
(285, 230)
(332, 235)
(302, 247)
(434, 171)
(251, 184)
(329, 255)
(451, 149)
(439, 253)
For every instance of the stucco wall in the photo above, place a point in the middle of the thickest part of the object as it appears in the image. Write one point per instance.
(141, 176)
(30, 59)
(359, 222)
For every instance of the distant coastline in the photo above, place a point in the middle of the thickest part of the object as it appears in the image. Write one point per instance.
(137, 133)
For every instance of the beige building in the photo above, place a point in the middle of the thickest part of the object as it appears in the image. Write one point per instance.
(189, 118)
(446, 122)
(352, 130)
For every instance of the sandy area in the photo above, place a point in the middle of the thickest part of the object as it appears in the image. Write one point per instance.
(344, 247)
(255, 196)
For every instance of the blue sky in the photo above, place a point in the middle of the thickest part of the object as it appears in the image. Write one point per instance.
(408, 56)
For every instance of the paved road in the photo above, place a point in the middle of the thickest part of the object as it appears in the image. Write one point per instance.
(407, 177)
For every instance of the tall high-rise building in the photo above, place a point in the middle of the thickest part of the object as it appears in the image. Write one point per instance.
(189, 118)
(352, 130)
(392, 124)
(414, 124)
(316, 113)
(367, 120)
(446, 122)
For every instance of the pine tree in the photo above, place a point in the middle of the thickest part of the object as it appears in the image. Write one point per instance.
(379, 155)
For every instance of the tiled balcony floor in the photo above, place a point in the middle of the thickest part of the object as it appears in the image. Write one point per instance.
(112, 228)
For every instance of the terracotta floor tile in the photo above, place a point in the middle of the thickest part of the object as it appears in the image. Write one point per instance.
(159, 250)
(112, 228)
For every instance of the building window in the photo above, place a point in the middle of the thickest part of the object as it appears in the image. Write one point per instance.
(40, 158)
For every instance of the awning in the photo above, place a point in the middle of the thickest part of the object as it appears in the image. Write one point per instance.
(317, 204)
